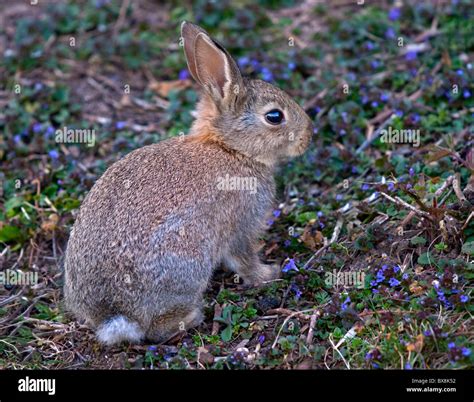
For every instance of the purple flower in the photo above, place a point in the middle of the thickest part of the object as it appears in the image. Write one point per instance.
(38, 86)
(399, 113)
(120, 125)
(365, 187)
(394, 14)
(411, 55)
(243, 61)
(49, 131)
(459, 72)
(270, 222)
(451, 345)
(37, 127)
(287, 243)
(374, 104)
(427, 332)
(380, 276)
(408, 366)
(384, 97)
(390, 33)
(261, 339)
(320, 214)
(393, 282)
(342, 132)
(375, 290)
(339, 197)
(345, 303)
(411, 172)
(391, 186)
(17, 138)
(290, 266)
(53, 154)
(375, 64)
(291, 66)
(266, 74)
(464, 298)
(369, 45)
(466, 93)
(415, 117)
(152, 348)
(255, 64)
(276, 213)
(183, 74)
(296, 290)
(396, 268)
(465, 351)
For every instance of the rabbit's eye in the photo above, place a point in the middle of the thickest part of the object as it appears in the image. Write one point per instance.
(274, 116)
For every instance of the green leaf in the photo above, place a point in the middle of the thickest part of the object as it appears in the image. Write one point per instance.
(425, 259)
(13, 202)
(305, 217)
(417, 240)
(226, 334)
(9, 233)
(468, 248)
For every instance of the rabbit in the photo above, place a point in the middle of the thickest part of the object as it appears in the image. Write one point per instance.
(158, 222)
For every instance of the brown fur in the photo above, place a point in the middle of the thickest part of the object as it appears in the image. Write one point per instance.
(155, 226)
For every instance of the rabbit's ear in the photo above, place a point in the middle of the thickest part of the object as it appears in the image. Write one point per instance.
(189, 32)
(210, 64)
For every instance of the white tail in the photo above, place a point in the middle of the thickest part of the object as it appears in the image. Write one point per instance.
(119, 329)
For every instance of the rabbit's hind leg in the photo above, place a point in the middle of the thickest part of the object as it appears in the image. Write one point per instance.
(166, 326)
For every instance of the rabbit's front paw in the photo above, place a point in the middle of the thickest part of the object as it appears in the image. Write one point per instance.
(262, 274)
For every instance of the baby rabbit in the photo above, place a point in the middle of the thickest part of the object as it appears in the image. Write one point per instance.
(158, 222)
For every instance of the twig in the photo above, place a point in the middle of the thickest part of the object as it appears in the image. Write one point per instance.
(215, 324)
(312, 323)
(464, 226)
(339, 353)
(296, 313)
(457, 189)
(287, 312)
(375, 135)
(444, 186)
(399, 201)
(334, 237)
(121, 17)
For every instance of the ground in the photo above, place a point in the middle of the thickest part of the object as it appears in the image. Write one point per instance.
(374, 236)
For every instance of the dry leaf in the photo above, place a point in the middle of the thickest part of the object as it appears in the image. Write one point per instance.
(204, 356)
(313, 238)
(163, 88)
(51, 223)
(418, 345)
(415, 288)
